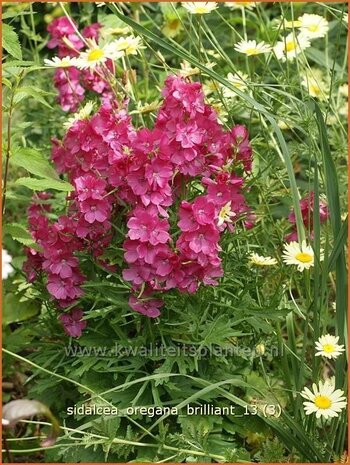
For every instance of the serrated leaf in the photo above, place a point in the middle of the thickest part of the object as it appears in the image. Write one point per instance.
(37, 94)
(44, 184)
(20, 234)
(6, 82)
(10, 41)
(13, 14)
(34, 162)
(16, 63)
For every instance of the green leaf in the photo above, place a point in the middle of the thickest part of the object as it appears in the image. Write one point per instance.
(43, 184)
(37, 94)
(339, 245)
(10, 41)
(14, 310)
(7, 83)
(13, 14)
(20, 234)
(34, 162)
(332, 191)
(16, 63)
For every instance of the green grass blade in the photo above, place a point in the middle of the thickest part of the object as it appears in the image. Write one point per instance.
(332, 191)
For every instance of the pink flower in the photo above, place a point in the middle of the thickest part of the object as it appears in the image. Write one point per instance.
(63, 267)
(33, 265)
(73, 324)
(203, 210)
(138, 182)
(165, 262)
(95, 210)
(203, 240)
(71, 93)
(90, 187)
(63, 289)
(158, 173)
(91, 31)
(187, 220)
(137, 274)
(60, 28)
(146, 307)
(241, 146)
(307, 212)
(147, 227)
(188, 135)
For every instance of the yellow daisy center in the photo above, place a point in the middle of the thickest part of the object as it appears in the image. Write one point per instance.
(291, 45)
(329, 348)
(323, 402)
(313, 28)
(251, 51)
(201, 10)
(123, 45)
(304, 257)
(95, 55)
(174, 24)
(315, 89)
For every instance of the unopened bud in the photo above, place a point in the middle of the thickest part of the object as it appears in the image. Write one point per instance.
(260, 349)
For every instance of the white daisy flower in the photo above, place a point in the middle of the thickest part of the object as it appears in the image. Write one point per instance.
(315, 85)
(324, 400)
(56, 62)
(313, 26)
(211, 86)
(92, 57)
(236, 5)
(129, 45)
(146, 108)
(237, 80)
(343, 110)
(283, 23)
(251, 47)
(199, 8)
(83, 113)
(226, 214)
(221, 111)
(259, 260)
(6, 269)
(344, 90)
(187, 70)
(327, 346)
(290, 46)
(302, 256)
(172, 26)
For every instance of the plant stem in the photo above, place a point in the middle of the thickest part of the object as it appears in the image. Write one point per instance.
(8, 148)
(8, 452)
